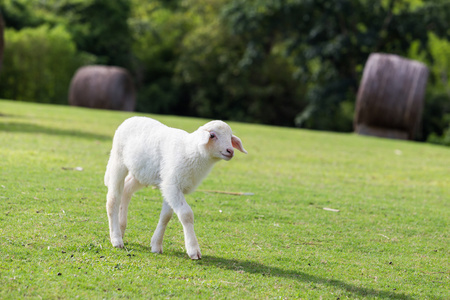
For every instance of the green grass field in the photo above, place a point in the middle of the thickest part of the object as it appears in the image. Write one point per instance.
(389, 239)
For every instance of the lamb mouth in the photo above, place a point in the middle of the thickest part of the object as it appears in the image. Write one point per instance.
(227, 156)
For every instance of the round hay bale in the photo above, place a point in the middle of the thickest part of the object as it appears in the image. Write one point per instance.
(391, 96)
(102, 87)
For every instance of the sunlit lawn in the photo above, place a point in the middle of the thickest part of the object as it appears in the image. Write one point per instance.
(386, 235)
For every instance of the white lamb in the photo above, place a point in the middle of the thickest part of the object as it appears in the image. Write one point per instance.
(146, 152)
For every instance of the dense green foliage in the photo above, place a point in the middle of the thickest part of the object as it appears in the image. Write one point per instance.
(100, 27)
(389, 239)
(437, 110)
(329, 43)
(38, 64)
(283, 62)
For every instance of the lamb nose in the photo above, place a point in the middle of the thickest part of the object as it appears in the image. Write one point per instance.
(231, 151)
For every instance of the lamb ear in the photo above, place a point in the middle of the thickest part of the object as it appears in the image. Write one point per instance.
(203, 137)
(236, 142)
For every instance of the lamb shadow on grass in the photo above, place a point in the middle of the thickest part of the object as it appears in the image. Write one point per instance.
(269, 271)
(37, 129)
(253, 267)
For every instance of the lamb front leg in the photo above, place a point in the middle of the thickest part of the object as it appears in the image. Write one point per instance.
(175, 198)
(186, 217)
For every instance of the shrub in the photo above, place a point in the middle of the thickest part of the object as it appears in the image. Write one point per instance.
(436, 116)
(158, 32)
(218, 86)
(38, 64)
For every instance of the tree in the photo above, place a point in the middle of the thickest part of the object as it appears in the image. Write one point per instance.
(100, 27)
(17, 14)
(436, 116)
(38, 64)
(329, 41)
(218, 87)
(210, 82)
(158, 30)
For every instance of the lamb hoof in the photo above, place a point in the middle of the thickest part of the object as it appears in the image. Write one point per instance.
(159, 251)
(196, 255)
(117, 243)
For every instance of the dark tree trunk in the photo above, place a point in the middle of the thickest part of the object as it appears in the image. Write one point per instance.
(2, 25)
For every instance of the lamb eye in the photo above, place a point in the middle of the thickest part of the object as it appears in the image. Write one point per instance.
(212, 135)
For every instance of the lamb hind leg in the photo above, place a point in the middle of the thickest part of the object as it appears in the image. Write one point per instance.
(158, 235)
(113, 198)
(131, 186)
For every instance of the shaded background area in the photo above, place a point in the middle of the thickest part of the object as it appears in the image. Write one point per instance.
(288, 63)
